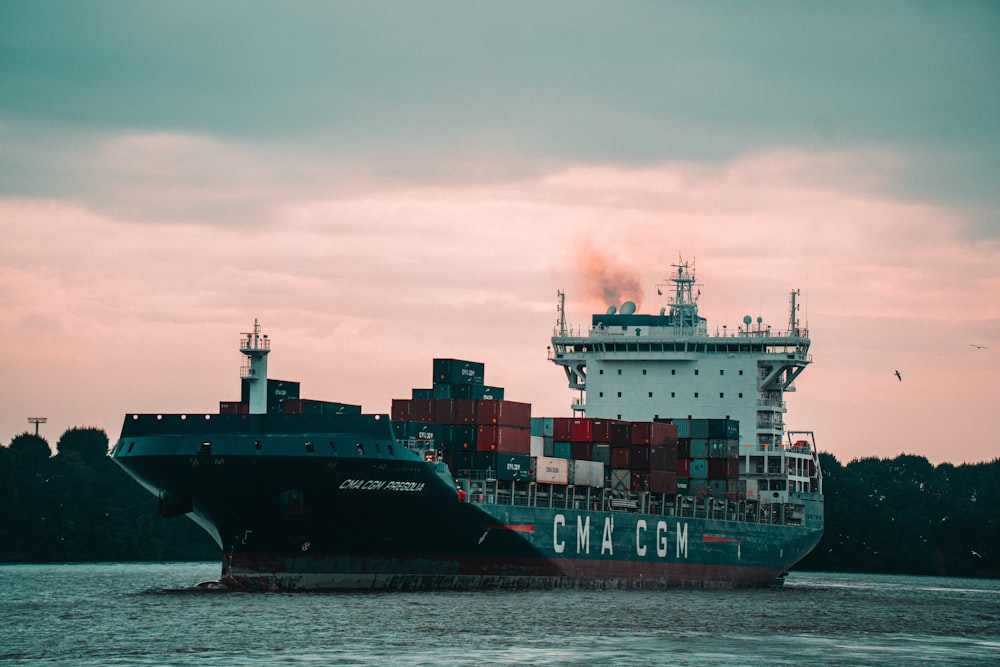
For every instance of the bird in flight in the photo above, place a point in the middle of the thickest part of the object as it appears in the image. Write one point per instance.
(979, 347)
(900, 377)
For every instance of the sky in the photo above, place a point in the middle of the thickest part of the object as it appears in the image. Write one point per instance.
(383, 183)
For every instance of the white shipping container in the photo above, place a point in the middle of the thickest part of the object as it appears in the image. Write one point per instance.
(537, 445)
(551, 470)
(588, 473)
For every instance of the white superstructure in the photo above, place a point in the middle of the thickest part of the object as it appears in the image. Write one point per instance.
(641, 367)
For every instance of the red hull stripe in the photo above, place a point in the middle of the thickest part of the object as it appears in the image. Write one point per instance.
(716, 538)
(521, 528)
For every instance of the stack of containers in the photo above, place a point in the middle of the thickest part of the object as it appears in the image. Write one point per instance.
(653, 457)
(473, 424)
(644, 457)
(708, 458)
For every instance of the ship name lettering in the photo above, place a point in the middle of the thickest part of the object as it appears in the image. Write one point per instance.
(381, 485)
(558, 545)
(662, 532)
(661, 538)
(682, 540)
(582, 534)
(607, 543)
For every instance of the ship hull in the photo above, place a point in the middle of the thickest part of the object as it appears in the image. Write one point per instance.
(289, 517)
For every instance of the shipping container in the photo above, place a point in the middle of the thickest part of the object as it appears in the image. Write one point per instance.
(621, 457)
(653, 433)
(503, 413)
(541, 426)
(444, 410)
(583, 430)
(459, 437)
(457, 371)
(581, 451)
(721, 449)
(588, 473)
(699, 469)
(423, 393)
(663, 457)
(445, 390)
(562, 428)
(399, 410)
(682, 484)
(562, 450)
(551, 470)
(465, 410)
(508, 439)
(683, 467)
(621, 433)
(723, 468)
(697, 487)
(684, 448)
(537, 446)
(698, 428)
(683, 428)
(600, 430)
(548, 448)
(662, 481)
(422, 410)
(639, 457)
(601, 452)
(620, 480)
(698, 448)
(233, 408)
(723, 429)
(472, 391)
(499, 465)
(410, 430)
(718, 488)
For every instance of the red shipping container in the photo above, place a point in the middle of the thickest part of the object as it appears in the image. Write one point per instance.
(621, 434)
(583, 430)
(723, 468)
(683, 467)
(506, 439)
(639, 457)
(600, 430)
(662, 481)
(662, 457)
(465, 410)
(444, 410)
(421, 410)
(503, 413)
(582, 451)
(620, 457)
(562, 429)
(400, 410)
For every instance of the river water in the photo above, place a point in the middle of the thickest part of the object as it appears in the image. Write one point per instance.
(138, 614)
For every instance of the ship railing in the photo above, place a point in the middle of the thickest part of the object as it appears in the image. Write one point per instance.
(558, 496)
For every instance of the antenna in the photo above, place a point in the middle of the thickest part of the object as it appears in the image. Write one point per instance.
(561, 310)
(36, 421)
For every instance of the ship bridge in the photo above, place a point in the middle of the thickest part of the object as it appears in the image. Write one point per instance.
(640, 367)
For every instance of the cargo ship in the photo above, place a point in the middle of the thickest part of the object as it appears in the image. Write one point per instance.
(672, 469)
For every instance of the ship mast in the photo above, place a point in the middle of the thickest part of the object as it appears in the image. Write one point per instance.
(253, 370)
(684, 304)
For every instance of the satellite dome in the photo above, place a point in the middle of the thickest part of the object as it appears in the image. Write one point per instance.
(628, 308)
(611, 310)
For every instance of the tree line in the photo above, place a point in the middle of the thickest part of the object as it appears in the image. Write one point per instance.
(891, 516)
